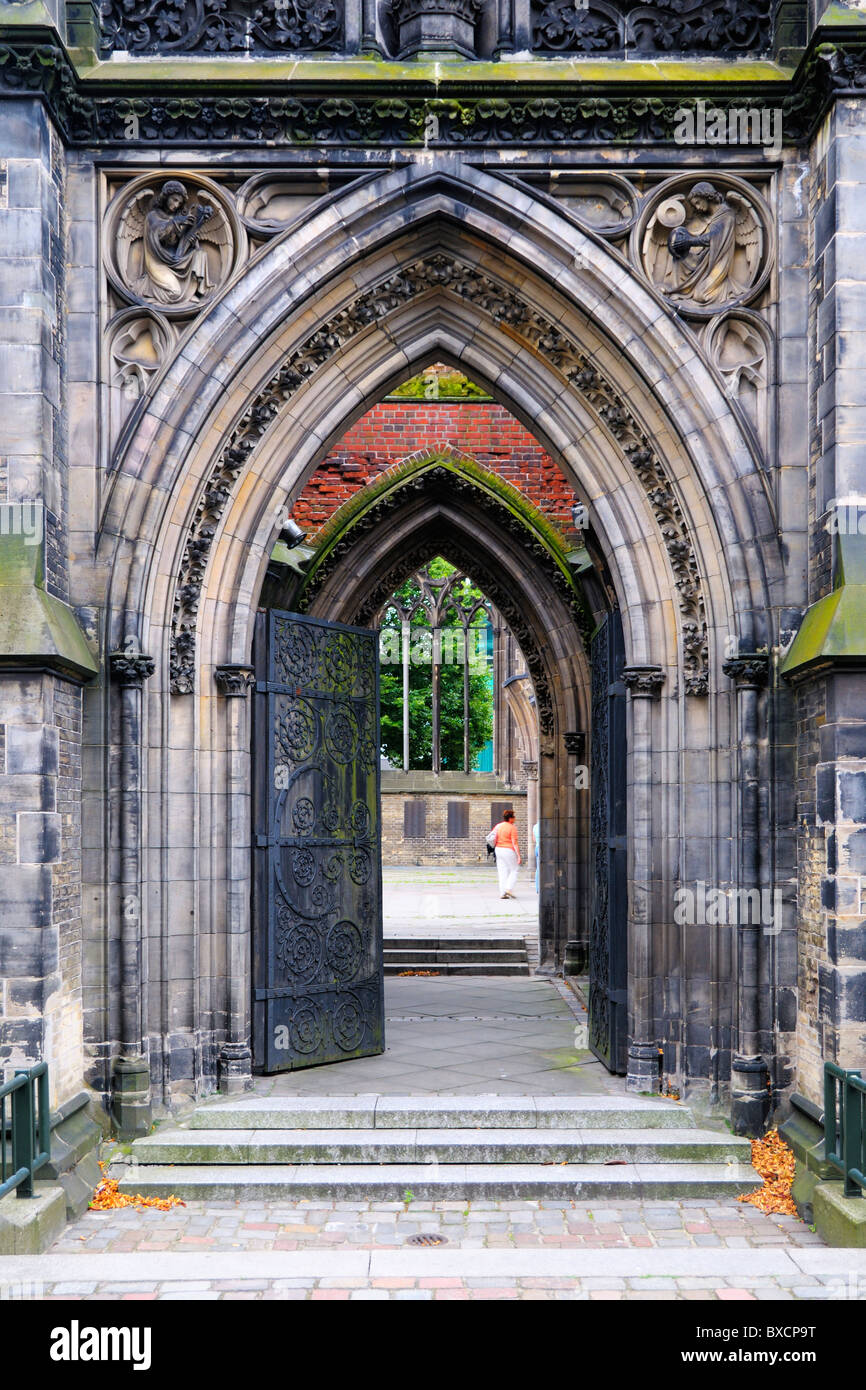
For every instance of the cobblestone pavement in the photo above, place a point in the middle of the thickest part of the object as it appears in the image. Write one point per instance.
(489, 1225)
(686, 1250)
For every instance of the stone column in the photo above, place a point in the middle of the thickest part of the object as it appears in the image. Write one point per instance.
(235, 1055)
(644, 685)
(131, 1096)
(576, 957)
(750, 1098)
(531, 771)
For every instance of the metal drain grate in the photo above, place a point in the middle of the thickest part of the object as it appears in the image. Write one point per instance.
(427, 1238)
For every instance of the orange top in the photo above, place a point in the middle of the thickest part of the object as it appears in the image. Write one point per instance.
(506, 835)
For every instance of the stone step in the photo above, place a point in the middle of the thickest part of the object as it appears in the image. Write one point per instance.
(440, 968)
(442, 1112)
(454, 943)
(453, 1182)
(444, 1146)
(454, 956)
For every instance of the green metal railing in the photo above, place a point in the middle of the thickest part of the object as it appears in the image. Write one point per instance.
(845, 1126)
(29, 1137)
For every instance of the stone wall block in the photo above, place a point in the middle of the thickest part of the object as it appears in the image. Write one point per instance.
(32, 748)
(39, 838)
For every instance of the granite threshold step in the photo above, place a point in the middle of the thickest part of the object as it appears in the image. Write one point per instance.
(374, 1111)
(491, 970)
(408, 1182)
(439, 1146)
(454, 943)
(457, 956)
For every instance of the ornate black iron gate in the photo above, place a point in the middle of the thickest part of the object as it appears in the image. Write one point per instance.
(317, 939)
(608, 964)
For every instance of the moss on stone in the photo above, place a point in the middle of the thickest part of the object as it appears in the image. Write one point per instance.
(834, 628)
(537, 525)
(36, 628)
(194, 73)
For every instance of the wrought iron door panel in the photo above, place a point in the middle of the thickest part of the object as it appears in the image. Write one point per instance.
(317, 959)
(608, 964)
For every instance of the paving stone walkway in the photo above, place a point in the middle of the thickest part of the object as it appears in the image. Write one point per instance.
(475, 1225)
(448, 1037)
(480, 1036)
(685, 1250)
(457, 901)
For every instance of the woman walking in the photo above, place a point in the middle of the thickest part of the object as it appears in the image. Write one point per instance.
(507, 854)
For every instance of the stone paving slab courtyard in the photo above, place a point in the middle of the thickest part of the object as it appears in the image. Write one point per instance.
(457, 902)
(481, 1036)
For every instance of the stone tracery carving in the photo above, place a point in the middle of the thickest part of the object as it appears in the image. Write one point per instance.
(607, 205)
(220, 26)
(561, 26)
(499, 595)
(504, 307)
(138, 344)
(654, 26)
(704, 247)
(739, 346)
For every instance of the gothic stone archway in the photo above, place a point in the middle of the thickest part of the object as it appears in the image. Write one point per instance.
(593, 363)
(441, 503)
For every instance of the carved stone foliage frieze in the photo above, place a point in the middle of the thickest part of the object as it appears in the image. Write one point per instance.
(171, 242)
(214, 27)
(178, 118)
(656, 26)
(504, 307)
(220, 26)
(706, 244)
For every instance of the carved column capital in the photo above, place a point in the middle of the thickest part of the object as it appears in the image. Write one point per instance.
(749, 670)
(234, 681)
(644, 681)
(130, 667)
(574, 743)
(531, 770)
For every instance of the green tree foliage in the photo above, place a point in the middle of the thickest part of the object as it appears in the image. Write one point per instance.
(421, 678)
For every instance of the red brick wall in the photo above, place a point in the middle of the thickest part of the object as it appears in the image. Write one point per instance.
(394, 429)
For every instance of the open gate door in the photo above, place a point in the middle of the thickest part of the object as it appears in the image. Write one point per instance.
(317, 896)
(608, 959)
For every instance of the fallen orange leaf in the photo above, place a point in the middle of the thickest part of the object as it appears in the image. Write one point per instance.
(108, 1198)
(775, 1163)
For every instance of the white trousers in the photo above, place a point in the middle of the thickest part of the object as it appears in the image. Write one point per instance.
(506, 865)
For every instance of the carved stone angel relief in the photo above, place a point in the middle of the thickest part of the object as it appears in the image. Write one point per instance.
(705, 248)
(173, 245)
